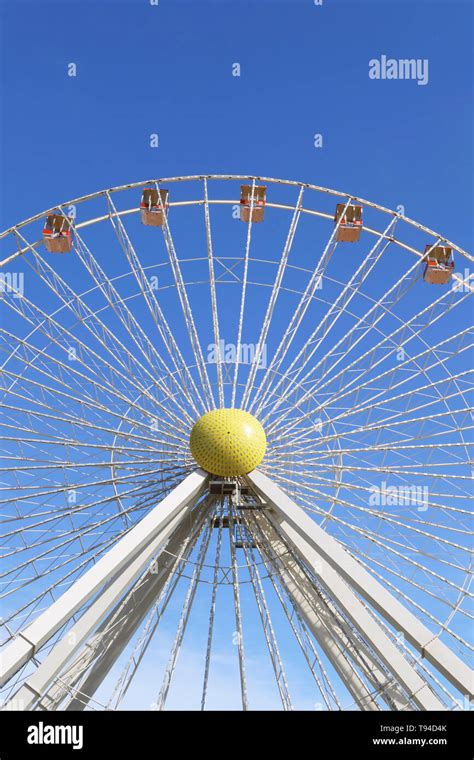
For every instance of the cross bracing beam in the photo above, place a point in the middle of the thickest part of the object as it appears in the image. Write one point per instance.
(35, 685)
(116, 630)
(297, 624)
(348, 655)
(341, 573)
(26, 644)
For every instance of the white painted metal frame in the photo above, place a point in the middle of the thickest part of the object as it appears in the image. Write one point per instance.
(26, 644)
(337, 569)
(348, 655)
(58, 396)
(116, 630)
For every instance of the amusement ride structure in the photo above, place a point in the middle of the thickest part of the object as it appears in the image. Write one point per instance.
(235, 418)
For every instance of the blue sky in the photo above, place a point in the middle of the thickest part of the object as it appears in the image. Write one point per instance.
(167, 69)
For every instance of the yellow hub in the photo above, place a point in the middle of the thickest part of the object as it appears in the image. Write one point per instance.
(228, 442)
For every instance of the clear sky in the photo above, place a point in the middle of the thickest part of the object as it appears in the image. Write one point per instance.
(167, 69)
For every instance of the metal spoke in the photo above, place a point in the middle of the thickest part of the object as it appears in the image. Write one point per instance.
(347, 566)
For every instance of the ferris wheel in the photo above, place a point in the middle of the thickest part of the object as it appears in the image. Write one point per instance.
(235, 465)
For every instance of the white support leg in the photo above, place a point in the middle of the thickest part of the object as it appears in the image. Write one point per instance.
(115, 632)
(37, 684)
(158, 524)
(337, 569)
(311, 612)
(348, 656)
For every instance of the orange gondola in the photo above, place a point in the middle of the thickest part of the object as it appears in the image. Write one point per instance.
(154, 207)
(57, 233)
(351, 223)
(259, 199)
(439, 264)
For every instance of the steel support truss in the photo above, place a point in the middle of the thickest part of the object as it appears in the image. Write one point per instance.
(328, 589)
(353, 588)
(109, 579)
